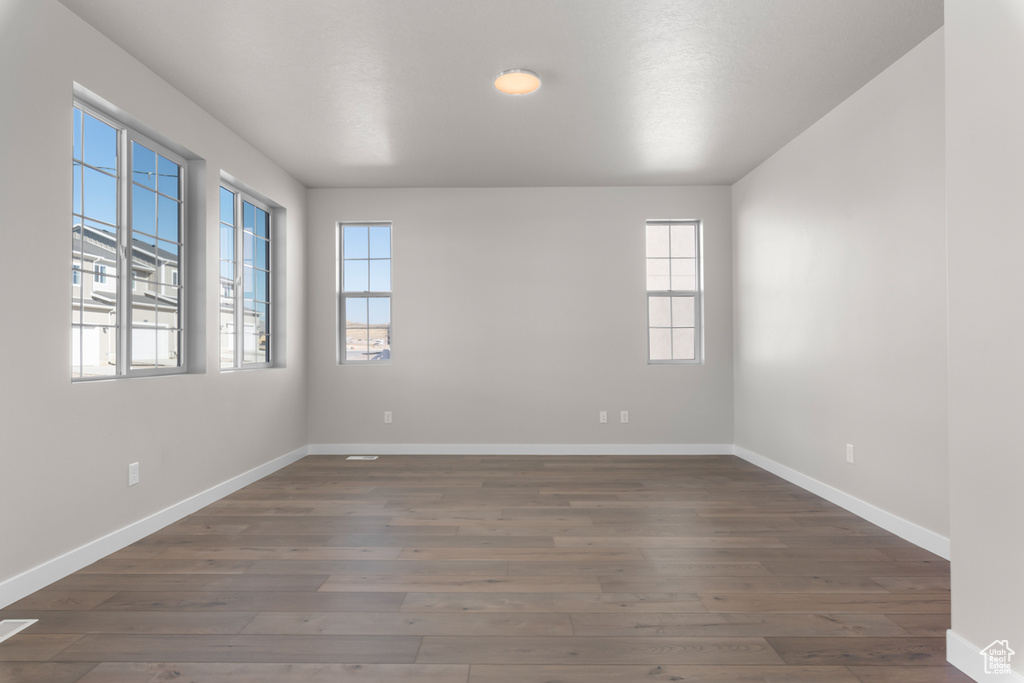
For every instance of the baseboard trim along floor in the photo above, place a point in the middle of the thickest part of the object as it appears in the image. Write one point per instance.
(39, 577)
(969, 659)
(520, 449)
(905, 529)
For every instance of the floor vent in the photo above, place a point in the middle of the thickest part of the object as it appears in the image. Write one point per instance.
(8, 627)
(361, 457)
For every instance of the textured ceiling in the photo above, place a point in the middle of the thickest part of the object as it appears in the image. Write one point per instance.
(398, 93)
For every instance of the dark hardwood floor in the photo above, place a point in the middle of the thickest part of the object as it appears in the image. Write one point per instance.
(526, 569)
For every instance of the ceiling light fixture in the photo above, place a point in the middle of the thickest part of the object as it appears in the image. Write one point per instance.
(517, 82)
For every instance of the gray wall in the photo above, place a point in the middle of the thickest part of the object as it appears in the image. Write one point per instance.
(519, 313)
(985, 200)
(65, 447)
(840, 296)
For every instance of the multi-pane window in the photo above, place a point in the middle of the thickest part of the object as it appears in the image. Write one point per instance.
(365, 293)
(245, 268)
(127, 239)
(673, 292)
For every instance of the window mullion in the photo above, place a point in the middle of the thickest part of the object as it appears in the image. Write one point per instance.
(239, 266)
(123, 299)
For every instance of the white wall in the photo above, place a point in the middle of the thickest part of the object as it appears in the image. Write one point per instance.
(840, 297)
(985, 204)
(543, 290)
(65, 447)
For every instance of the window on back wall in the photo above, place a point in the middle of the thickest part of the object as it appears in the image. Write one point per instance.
(127, 239)
(364, 316)
(674, 296)
(245, 280)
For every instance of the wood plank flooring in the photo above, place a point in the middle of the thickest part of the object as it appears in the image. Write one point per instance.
(480, 569)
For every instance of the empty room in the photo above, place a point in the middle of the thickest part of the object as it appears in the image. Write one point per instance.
(545, 341)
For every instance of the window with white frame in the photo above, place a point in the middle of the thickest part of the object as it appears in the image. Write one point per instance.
(245, 280)
(364, 317)
(674, 292)
(127, 249)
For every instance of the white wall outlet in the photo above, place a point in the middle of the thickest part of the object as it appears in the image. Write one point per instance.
(849, 452)
(624, 416)
(387, 417)
(133, 474)
(602, 417)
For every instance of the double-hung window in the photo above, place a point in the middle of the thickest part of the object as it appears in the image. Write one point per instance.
(674, 292)
(364, 316)
(127, 251)
(245, 286)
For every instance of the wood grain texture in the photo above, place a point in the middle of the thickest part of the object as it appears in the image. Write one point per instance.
(412, 624)
(275, 673)
(792, 625)
(253, 601)
(174, 622)
(917, 603)
(632, 650)
(906, 674)
(461, 584)
(44, 672)
(495, 569)
(57, 600)
(912, 651)
(218, 648)
(35, 647)
(552, 602)
(483, 673)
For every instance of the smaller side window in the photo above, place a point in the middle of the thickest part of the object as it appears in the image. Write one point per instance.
(364, 317)
(674, 292)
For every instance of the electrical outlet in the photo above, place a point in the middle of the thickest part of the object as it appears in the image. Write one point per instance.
(387, 417)
(602, 417)
(624, 416)
(849, 452)
(133, 474)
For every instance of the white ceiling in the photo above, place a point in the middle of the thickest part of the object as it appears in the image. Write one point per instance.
(398, 93)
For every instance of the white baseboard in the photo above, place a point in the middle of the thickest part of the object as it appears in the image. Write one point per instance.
(34, 579)
(905, 529)
(967, 657)
(518, 449)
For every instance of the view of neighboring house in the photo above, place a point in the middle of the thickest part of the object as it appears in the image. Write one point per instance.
(156, 307)
(255, 327)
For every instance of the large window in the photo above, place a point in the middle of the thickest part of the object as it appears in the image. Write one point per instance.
(245, 287)
(674, 305)
(365, 293)
(127, 240)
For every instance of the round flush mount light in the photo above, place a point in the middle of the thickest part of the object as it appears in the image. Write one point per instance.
(517, 82)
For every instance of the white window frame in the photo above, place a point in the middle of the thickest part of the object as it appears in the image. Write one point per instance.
(696, 294)
(241, 197)
(125, 136)
(343, 296)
